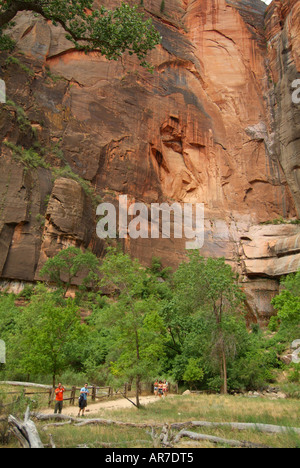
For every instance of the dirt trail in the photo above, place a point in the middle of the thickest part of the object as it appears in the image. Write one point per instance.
(106, 405)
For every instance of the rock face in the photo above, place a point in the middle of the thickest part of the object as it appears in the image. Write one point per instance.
(214, 124)
(282, 30)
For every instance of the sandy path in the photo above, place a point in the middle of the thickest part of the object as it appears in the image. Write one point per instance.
(107, 405)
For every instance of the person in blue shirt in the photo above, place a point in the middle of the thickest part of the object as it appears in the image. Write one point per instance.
(84, 392)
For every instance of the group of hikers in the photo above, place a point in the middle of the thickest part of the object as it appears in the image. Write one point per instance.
(59, 398)
(161, 388)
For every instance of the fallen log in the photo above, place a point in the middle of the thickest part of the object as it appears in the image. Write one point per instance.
(25, 431)
(49, 417)
(216, 440)
(47, 426)
(87, 422)
(267, 428)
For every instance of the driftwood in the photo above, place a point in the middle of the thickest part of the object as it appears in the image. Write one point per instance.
(46, 427)
(216, 440)
(267, 428)
(167, 438)
(88, 422)
(25, 431)
(52, 443)
(95, 421)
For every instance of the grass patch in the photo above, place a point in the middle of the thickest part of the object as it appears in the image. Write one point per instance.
(214, 408)
(28, 157)
(98, 436)
(280, 220)
(11, 60)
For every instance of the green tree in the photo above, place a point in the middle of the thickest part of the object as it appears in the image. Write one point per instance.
(136, 327)
(64, 267)
(111, 32)
(193, 372)
(207, 300)
(287, 304)
(46, 329)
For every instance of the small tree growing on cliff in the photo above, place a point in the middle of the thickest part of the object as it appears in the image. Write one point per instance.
(111, 32)
(64, 267)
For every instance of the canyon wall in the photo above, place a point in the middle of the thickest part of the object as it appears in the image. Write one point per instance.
(215, 124)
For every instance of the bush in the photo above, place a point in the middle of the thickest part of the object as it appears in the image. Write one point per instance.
(193, 373)
(294, 376)
(274, 324)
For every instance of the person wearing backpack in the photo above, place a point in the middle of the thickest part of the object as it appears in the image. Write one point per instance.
(84, 392)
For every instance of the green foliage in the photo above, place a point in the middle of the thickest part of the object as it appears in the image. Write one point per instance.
(8, 315)
(136, 328)
(274, 324)
(64, 267)
(15, 61)
(281, 220)
(158, 270)
(44, 334)
(253, 370)
(111, 32)
(6, 43)
(22, 120)
(188, 325)
(30, 158)
(287, 304)
(203, 316)
(294, 376)
(193, 372)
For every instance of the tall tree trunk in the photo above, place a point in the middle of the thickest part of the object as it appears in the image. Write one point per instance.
(224, 367)
(138, 380)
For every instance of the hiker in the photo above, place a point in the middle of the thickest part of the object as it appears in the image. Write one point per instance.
(59, 398)
(165, 388)
(84, 392)
(160, 389)
(156, 387)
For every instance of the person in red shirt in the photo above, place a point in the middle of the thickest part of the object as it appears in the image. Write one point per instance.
(59, 398)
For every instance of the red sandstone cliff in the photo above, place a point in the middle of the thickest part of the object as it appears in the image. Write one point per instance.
(214, 124)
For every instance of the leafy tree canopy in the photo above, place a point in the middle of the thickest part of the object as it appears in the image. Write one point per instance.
(46, 333)
(133, 318)
(111, 32)
(287, 304)
(67, 264)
